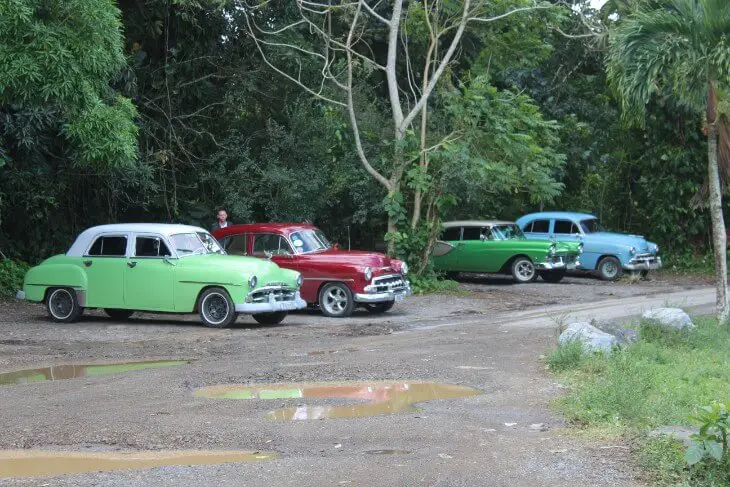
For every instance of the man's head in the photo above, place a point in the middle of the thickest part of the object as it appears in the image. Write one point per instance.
(222, 216)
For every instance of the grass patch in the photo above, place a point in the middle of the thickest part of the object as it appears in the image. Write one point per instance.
(565, 357)
(661, 380)
(433, 285)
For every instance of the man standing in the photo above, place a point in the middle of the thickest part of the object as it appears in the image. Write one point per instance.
(222, 222)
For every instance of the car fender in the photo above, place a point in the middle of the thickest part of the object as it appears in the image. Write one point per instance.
(47, 275)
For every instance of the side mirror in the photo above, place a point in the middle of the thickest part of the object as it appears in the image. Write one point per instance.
(336, 246)
(168, 260)
(482, 237)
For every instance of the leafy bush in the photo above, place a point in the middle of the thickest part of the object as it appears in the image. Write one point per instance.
(567, 356)
(11, 276)
(429, 285)
(711, 442)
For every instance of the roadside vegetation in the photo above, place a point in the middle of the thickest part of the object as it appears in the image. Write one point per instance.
(665, 379)
(11, 277)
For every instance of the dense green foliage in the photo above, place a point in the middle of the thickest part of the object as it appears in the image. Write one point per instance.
(11, 277)
(673, 374)
(164, 111)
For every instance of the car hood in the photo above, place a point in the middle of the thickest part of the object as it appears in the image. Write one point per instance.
(266, 272)
(636, 241)
(351, 257)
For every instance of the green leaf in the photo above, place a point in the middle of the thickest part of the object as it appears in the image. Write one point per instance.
(694, 454)
(714, 449)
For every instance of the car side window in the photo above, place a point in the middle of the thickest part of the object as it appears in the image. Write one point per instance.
(109, 246)
(451, 233)
(270, 242)
(237, 245)
(538, 226)
(473, 233)
(151, 247)
(565, 226)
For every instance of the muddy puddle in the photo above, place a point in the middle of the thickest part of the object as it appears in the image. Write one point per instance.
(40, 463)
(62, 372)
(373, 398)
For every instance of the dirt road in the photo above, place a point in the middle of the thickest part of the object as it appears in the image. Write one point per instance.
(488, 337)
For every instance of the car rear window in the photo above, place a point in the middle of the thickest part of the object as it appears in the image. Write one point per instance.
(538, 226)
(473, 233)
(452, 233)
(109, 246)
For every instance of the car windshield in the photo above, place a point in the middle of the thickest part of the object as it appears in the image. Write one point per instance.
(507, 232)
(195, 243)
(306, 241)
(591, 226)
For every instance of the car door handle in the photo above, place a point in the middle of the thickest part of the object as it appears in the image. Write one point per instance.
(88, 263)
(131, 264)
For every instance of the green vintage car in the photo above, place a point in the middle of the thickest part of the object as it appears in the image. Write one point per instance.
(160, 268)
(490, 246)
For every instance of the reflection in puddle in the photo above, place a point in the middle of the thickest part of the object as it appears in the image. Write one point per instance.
(327, 352)
(378, 397)
(39, 463)
(60, 372)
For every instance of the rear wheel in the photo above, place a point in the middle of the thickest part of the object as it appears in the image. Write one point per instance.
(609, 269)
(523, 270)
(554, 276)
(62, 305)
(269, 318)
(216, 308)
(377, 308)
(118, 314)
(335, 300)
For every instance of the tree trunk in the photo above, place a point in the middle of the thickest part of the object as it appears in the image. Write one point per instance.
(719, 238)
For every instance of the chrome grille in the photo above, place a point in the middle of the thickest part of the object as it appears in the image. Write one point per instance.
(277, 293)
(383, 284)
(644, 258)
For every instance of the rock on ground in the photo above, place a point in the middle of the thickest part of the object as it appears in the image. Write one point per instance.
(625, 336)
(593, 339)
(669, 318)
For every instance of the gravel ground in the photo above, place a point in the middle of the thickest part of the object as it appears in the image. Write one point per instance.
(480, 440)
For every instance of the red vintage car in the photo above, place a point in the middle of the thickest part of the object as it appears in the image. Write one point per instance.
(335, 280)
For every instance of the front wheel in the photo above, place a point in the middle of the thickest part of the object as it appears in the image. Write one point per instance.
(378, 308)
(63, 306)
(554, 276)
(216, 308)
(609, 269)
(335, 300)
(118, 314)
(523, 270)
(269, 318)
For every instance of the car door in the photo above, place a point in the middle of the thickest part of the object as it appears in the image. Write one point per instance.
(149, 278)
(480, 252)
(105, 263)
(565, 230)
(276, 246)
(447, 249)
(538, 229)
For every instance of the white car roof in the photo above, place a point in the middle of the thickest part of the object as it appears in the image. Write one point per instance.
(85, 239)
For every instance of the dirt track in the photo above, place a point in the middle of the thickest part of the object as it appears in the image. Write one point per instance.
(472, 339)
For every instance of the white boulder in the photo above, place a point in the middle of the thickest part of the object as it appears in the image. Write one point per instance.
(593, 339)
(669, 318)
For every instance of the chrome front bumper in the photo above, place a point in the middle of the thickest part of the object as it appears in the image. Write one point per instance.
(559, 264)
(271, 300)
(384, 289)
(644, 263)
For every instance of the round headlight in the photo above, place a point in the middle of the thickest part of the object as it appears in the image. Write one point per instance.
(632, 250)
(300, 280)
(404, 269)
(252, 281)
(656, 249)
(368, 273)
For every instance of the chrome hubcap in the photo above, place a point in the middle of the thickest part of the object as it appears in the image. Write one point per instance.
(525, 270)
(61, 304)
(215, 308)
(335, 301)
(610, 269)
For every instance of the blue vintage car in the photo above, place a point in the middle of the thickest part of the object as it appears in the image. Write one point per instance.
(604, 253)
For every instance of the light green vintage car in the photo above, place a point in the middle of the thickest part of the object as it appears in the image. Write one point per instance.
(160, 268)
(489, 246)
